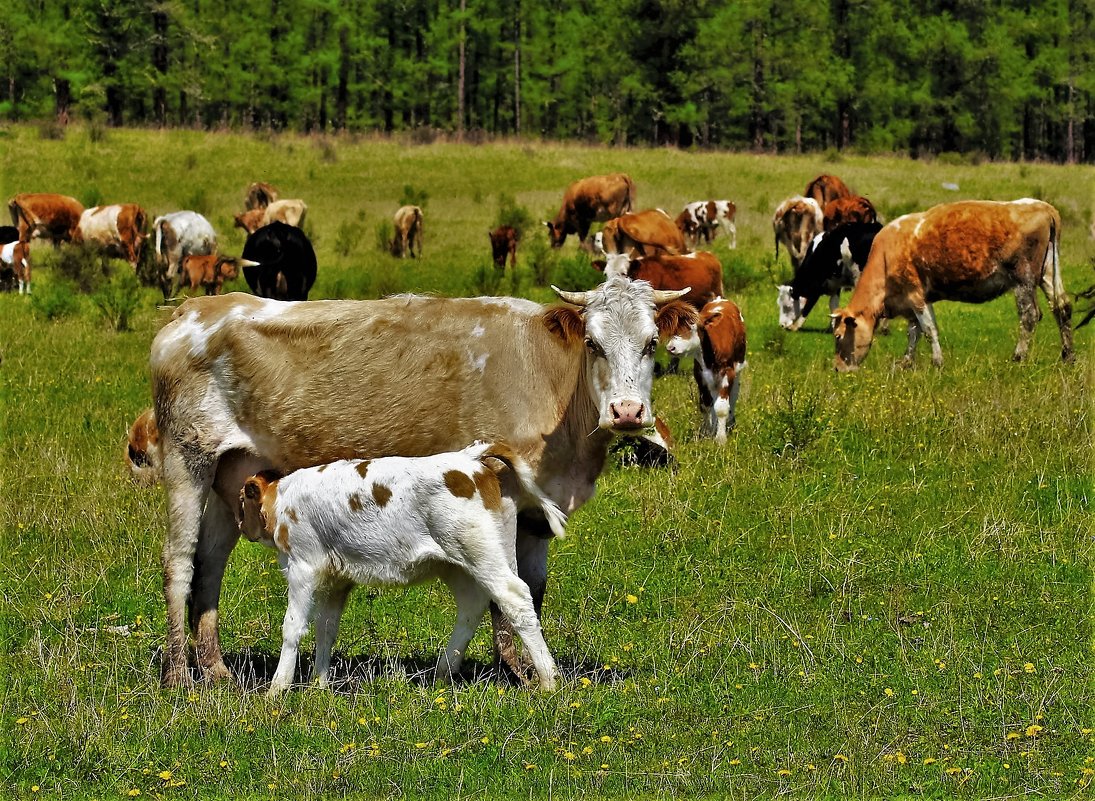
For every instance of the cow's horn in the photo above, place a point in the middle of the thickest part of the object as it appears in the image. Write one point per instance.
(665, 295)
(249, 263)
(577, 298)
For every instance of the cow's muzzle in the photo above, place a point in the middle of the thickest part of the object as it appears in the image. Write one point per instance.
(628, 415)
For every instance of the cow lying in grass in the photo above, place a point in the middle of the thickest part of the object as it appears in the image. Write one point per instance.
(400, 520)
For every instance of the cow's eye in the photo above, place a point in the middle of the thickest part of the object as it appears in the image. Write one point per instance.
(651, 346)
(594, 348)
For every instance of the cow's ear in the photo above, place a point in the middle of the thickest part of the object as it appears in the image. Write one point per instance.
(566, 323)
(673, 316)
(599, 264)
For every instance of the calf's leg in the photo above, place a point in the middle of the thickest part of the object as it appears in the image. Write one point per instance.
(471, 603)
(302, 587)
(330, 603)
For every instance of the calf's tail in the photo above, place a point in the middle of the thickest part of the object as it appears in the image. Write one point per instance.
(556, 518)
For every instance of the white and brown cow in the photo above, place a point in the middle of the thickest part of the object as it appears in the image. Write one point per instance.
(396, 521)
(15, 265)
(176, 236)
(971, 251)
(717, 343)
(407, 237)
(598, 198)
(242, 384)
(795, 223)
(290, 211)
(704, 218)
(46, 215)
(119, 229)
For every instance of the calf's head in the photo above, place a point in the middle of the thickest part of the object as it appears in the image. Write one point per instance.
(853, 337)
(790, 308)
(256, 513)
(620, 323)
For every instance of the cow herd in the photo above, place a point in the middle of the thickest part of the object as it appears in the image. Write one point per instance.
(388, 441)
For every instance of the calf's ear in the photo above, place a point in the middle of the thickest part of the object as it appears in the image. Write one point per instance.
(674, 316)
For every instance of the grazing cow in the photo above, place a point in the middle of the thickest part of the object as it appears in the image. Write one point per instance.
(971, 251)
(408, 231)
(118, 229)
(143, 452)
(259, 196)
(834, 262)
(178, 235)
(290, 212)
(49, 216)
(717, 343)
(598, 198)
(705, 218)
(211, 271)
(503, 243)
(279, 262)
(241, 384)
(400, 521)
(850, 209)
(643, 233)
(826, 188)
(796, 221)
(15, 266)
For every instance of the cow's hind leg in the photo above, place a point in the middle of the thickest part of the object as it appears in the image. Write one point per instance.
(1061, 305)
(330, 603)
(1029, 315)
(216, 540)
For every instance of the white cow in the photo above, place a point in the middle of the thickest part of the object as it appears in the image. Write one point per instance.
(178, 235)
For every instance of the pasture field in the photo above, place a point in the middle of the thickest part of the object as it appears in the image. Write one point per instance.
(882, 586)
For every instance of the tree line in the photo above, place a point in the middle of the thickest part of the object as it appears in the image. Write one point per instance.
(1007, 79)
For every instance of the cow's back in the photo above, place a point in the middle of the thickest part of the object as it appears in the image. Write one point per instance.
(701, 272)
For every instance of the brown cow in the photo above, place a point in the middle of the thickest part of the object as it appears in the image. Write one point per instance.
(850, 209)
(598, 198)
(210, 272)
(291, 212)
(49, 216)
(259, 196)
(118, 229)
(825, 189)
(503, 243)
(643, 233)
(408, 232)
(796, 221)
(971, 251)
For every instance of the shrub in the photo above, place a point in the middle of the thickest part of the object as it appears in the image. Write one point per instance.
(576, 274)
(486, 279)
(385, 233)
(91, 197)
(347, 237)
(798, 421)
(118, 299)
(85, 266)
(413, 196)
(51, 130)
(517, 217)
(55, 300)
(738, 273)
(541, 258)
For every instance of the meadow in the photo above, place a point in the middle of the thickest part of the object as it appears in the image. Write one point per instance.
(881, 586)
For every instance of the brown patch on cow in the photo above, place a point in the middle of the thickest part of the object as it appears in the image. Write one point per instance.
(362, 468)
(459, 484)
(292, 515)
(381, 494)
(282, 538)
(355, 502)
(566, 323)
(489, 489)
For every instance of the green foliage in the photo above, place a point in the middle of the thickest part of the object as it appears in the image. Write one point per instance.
(514, 215)
(540, 257)
(348, 236)
(117, 300)
(55, 300)
(798, 420)
(385, 236)
(87, 267)
(414, 196)
(575, 273)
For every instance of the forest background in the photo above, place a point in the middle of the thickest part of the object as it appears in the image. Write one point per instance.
(1001, 79)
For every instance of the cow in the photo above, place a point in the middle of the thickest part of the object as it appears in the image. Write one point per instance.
(849, 209)
(118, 229)
(8, 233)
(399, 521)
(717, 343)
(598, 198)
(643, 233)
(259, 196)
(833, 262)
(279, 262)
(290, 212)
(176, 236)
(796, 221)
(971, 251)
(45, 215)
(826, 188)
(143, 450)
(15, 266)
(211, 271)
(503, 244)
(243, 384)
(704, 218)
(407, 223)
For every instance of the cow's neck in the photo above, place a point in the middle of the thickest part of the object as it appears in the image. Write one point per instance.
(868, 301)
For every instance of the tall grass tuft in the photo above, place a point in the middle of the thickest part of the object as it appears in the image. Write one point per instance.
(55, 300)
(85, 266)
(118, 299)
(798, 421)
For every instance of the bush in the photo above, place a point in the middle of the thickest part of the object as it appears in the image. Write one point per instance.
(487, 279)
(541, 258)
(347, 238)
(85, 266)
(51, 130)
(412, 196)
(576, 274)
(517, 217)
(118, 299)
(385, 233)
(55, 301)
(738, 273)
(799, 421)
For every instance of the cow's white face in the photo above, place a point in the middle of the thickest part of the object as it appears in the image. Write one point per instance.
(790, 308)
(616, 264)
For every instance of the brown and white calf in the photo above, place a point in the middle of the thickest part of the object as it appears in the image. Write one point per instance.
(15, 256)
(290, 211)
(717, 344)
(241, 384)
(408, 232)
(704, 218)
(971, 251)
(400, 521)
(795, 223)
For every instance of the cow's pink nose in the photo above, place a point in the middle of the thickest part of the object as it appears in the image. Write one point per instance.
(627, 414)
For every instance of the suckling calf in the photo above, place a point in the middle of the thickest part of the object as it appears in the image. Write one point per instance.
(399, 520)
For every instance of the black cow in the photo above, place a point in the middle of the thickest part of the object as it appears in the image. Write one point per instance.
(833, 262)
(8, 233)
(286, 266)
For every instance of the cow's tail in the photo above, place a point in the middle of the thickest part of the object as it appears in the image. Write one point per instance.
(629, 198)
(159, 236)
(556, 518)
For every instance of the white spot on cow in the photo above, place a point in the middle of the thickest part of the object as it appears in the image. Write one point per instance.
(479, 330)
(478, 363)
(919, 225)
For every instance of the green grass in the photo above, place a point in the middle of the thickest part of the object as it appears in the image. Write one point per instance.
(889, 608)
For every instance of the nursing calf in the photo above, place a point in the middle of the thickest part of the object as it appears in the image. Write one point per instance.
(400, 521)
